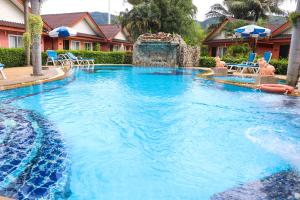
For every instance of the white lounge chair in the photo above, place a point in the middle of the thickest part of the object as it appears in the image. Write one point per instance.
(1, 71)
(79, 60)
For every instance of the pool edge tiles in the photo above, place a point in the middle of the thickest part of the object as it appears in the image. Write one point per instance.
(45, 174)
(282, 185)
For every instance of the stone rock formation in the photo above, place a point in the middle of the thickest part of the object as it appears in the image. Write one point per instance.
(164, 49)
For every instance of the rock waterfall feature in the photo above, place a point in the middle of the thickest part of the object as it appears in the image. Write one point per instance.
(164, 49)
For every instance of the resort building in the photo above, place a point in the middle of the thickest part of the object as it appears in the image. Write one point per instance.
(116, 38)
(88, 32)
(11, 23)
(279, 43)
(109, 37)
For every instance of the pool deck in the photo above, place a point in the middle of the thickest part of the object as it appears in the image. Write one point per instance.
(4, 198)
(21, 76)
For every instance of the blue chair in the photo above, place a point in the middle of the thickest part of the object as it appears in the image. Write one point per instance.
(54, 58)
(250, 61)
(79, 60)
(1, 71)
(254, 67)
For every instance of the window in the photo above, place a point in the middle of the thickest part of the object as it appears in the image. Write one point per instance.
(222, 51)
(88, 46)
(116, 48)
(75, 45)
(15, 41)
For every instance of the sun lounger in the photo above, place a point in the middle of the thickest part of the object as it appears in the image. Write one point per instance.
(254, 67)
(55, 59)
(250, 61)
(1, 71)
(79, 60)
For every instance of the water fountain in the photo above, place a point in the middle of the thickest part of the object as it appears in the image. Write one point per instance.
(164, 49)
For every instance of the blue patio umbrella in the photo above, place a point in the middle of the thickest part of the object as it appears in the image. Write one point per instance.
(63, 32)
(253, 31)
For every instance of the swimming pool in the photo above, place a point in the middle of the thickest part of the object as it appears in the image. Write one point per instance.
(144, 133)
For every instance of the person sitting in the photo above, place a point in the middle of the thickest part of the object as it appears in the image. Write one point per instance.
(219, 62)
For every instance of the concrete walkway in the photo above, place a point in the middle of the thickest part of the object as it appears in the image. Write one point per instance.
(4, 198)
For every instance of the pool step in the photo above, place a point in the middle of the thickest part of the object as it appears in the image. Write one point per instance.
(283, 185)
(41, 169)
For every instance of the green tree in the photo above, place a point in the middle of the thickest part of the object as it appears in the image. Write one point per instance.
(294, 56)
(245, 9)
(135, 2)
(195, 36)
(171, 16)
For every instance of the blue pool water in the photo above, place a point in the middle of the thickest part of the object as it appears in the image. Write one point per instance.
(238, 79)
(152, 133)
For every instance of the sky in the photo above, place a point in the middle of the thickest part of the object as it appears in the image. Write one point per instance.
(66, 6)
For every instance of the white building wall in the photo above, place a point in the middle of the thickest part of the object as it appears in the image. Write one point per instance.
(84, 27)
(10, 12)
(220, 35)
(120, 36)
(288, 31)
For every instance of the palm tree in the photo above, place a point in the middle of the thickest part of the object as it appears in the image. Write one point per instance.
(36, 41)
(294, 56)
(245, 9)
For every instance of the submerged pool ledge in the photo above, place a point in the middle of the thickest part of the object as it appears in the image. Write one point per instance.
(208, 75)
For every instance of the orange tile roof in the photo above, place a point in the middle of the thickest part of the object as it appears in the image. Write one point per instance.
(64, 19)
(110, 30)
(11, 24)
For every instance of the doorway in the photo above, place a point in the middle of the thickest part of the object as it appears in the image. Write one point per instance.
(284, 51)
(66, 44)
(214, 51)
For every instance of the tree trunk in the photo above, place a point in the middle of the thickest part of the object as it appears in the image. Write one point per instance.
(26, 21)
(36, 42)
(294, 56)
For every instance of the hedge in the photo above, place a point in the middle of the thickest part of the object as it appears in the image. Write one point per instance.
(102, 57)
(12, 57)
(280, 65)
(16, 57)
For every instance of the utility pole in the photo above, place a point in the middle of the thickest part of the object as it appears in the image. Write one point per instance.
(109, 16)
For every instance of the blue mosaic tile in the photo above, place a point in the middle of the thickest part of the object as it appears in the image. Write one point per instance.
(33, 161)
(281, 186)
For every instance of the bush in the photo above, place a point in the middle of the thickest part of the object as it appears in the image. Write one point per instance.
(210, 61)
(229, 59)
(12, 57)
(280, 66)
(204, 50)
(238, 50)
(207, 61)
